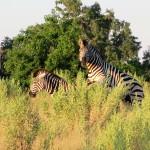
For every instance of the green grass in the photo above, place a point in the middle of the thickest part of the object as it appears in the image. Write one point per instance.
(86, 118)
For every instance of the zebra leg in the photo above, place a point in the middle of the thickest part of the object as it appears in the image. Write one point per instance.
(128, 99)
(52, 95)
(90, 84)
(136, 97)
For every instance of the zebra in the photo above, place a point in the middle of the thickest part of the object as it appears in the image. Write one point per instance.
(44, 79)
(102, 72)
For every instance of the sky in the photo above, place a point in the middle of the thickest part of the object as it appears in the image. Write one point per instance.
(16, 15)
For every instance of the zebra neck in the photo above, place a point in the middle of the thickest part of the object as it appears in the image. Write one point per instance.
(95, 63)
(97, 72)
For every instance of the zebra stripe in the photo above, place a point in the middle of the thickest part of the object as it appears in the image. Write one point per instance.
(102, 72)
(44, 79)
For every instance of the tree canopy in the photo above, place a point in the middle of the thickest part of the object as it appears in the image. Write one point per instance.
(53, 44)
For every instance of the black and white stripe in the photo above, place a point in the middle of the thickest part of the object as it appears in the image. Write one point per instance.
(44, 79)
(102, 72)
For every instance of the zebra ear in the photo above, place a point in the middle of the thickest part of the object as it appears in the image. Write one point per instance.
(82, 43)
(41, 75)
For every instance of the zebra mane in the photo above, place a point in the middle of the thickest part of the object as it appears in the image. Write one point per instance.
(40, 71)
(93, 49)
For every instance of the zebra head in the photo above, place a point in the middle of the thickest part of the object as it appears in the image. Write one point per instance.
(38, 85)
(83, 52)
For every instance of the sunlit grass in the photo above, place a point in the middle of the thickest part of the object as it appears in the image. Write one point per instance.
(83, 118)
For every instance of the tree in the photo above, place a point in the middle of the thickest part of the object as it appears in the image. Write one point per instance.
(68, 9)
(146, 63)
(30, 50)
(7, 43)
(53, 44)
(146, 56)
(65, 56)
(122, 43)
(134, 66)
(108, 34)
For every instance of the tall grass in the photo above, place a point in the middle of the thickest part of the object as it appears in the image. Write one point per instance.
(83, 118)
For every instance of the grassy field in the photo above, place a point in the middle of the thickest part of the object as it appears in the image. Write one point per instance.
(83, 119)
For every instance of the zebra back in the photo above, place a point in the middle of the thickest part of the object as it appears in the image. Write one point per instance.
(40, 71)
(44, 79)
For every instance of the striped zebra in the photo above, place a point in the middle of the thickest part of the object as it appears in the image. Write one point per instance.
(102, 72)
(44, 79)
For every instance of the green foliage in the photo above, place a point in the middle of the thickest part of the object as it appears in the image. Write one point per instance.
(135, 67)
(18, 118)
(6, 43)
(87, 118)
(72, 8)
(30, 51)
(82, 118)
(53, 44)
(146, 63)
(21, 68)
(65, 55)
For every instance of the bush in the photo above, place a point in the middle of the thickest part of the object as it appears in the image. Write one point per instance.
(82, 118)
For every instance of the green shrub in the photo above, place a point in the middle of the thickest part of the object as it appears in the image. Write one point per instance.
(83, 118)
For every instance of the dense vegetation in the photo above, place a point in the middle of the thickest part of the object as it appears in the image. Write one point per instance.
(53, 44)
(84, 119)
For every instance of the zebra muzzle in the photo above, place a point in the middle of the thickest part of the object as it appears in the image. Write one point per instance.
(32, 94)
